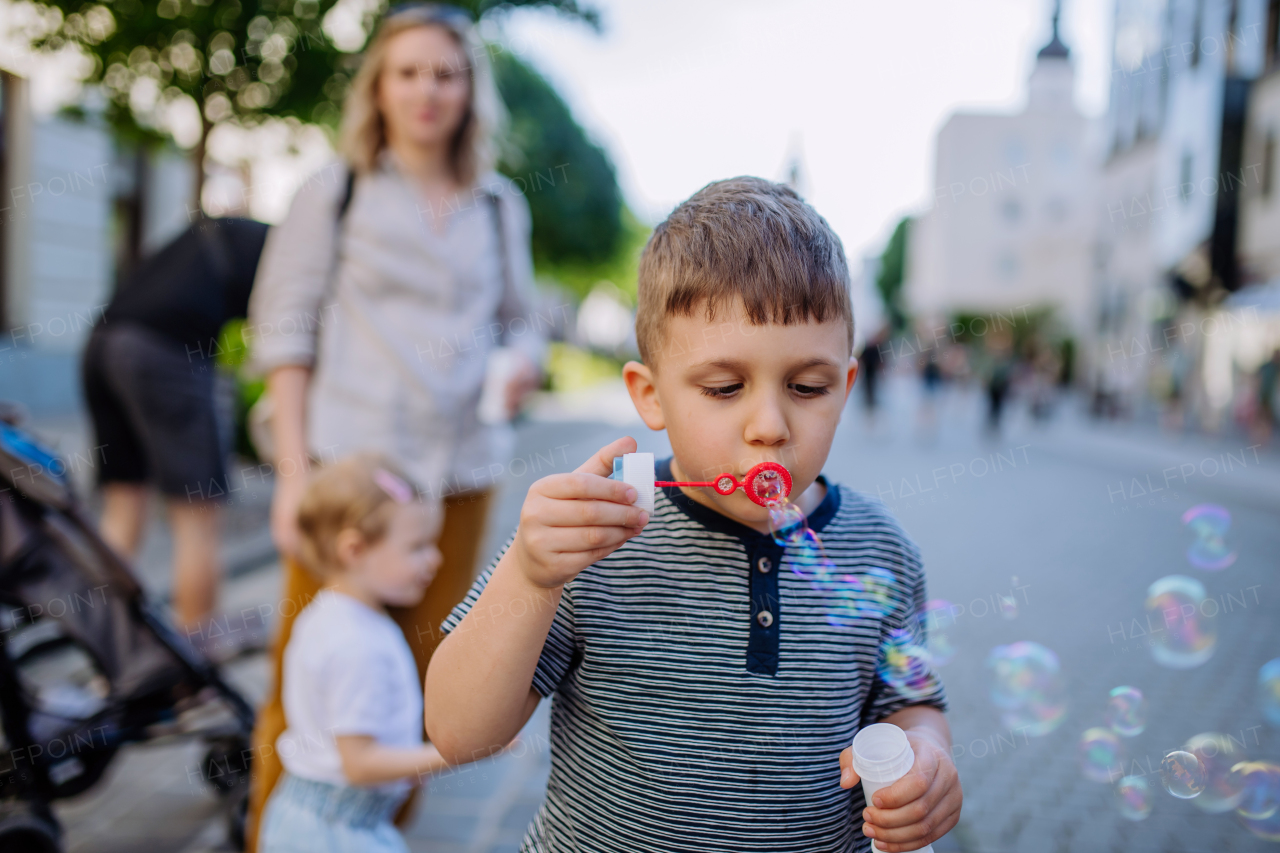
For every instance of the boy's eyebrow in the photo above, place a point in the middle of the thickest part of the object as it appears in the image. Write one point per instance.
(739, 365)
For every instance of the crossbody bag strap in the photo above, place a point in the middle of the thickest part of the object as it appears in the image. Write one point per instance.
(501, 228)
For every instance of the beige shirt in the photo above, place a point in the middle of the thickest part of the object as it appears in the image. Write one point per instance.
(396, 314)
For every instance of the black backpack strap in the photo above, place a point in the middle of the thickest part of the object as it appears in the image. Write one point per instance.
(347, 191)
(502, 238)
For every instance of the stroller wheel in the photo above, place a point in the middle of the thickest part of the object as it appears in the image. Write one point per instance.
(26, 828)
(226, 764)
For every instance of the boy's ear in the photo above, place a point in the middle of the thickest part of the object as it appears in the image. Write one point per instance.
(348, 545)
(644, 394)
(853, 375)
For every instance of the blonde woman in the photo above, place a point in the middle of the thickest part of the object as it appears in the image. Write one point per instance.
(377, 302)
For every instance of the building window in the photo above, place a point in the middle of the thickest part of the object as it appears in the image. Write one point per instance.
(1268, 163)
(1184, 178)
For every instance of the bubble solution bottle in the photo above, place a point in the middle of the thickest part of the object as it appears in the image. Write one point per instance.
(881, 756)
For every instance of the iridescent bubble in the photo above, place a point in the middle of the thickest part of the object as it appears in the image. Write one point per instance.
(1101, 754)
(1181, 635)
(1210, 523)
(1127, 711)
(904, 664)
(786, 523)
(1269, 690)
(1008, 606)
(1267, 828)
(1217, 755)
(1028, 687)
(769, 486)
(1134, 796)
(855, 597)
(1182, 774)
(1259, 789)
(937, 617)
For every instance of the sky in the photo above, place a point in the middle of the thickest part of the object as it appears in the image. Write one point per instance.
(683, 92)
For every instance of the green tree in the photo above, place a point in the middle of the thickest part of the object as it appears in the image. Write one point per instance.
(893, 264)
(221, 60)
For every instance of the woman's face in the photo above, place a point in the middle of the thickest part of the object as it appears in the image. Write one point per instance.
(424, 87)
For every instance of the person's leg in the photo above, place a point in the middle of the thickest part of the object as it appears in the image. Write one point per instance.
(300, 586)
(124, 516)
(195, 560)
(460, 539)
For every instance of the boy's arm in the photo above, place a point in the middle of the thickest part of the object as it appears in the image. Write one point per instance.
(479, 683)
(924, 805)
(367, 762)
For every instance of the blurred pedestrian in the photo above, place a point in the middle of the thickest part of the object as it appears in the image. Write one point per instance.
(379, 299)
(1000, 368)
(149, 381)
(930, 387)
(1268, 405)
(870, 364)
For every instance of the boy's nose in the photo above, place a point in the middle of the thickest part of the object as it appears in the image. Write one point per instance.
(767, 425)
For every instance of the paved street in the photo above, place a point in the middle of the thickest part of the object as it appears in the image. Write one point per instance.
(1063, 519)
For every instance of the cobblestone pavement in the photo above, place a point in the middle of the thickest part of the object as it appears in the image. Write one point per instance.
(1066, 519)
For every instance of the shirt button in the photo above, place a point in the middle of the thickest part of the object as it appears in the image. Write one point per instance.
(765, 618)
(764, 564)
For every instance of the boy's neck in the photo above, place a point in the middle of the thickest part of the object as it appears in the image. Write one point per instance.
(807, 501)
(350, 589)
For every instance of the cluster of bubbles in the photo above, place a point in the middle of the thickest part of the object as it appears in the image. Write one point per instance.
(1028, 687)
(1210, 523)
(1182, 636)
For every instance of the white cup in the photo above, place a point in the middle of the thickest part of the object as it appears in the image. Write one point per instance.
(881, 756)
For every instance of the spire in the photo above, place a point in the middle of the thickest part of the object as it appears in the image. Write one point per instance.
(1055, 49)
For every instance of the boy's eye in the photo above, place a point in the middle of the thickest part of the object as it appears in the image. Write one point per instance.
(808, 390)
(723, 390)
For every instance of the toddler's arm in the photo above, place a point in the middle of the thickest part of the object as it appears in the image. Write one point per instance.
(479, 684)
(367, 762)
(923, 805)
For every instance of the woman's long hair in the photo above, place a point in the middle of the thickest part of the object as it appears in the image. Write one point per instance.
(364, 134)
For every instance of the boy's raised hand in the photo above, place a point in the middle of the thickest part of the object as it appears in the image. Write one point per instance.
(569, 521)
(919, 808)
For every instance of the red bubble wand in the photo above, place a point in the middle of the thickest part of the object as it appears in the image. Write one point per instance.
(765, 484)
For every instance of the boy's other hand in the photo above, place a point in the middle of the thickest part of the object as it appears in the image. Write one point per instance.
(919, 808)
(570, 521)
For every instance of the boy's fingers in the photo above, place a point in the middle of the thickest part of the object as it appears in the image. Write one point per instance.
(929, 828)
(590, 514)
(848, 776)
(585, 487)
(911, 786)
(601, 463)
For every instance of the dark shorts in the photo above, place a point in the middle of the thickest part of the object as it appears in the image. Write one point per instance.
(154, 412)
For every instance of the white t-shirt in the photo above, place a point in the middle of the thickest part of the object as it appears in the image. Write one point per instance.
(347, 671)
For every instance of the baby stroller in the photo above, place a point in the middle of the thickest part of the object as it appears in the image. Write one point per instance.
(87, 664)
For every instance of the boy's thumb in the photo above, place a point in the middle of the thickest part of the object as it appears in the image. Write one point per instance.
(601, 462)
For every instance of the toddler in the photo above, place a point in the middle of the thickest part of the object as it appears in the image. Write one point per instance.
(353, 747)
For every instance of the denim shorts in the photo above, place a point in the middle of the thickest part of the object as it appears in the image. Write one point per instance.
(303, 816)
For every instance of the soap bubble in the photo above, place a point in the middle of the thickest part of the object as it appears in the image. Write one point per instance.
(904, 664)
(937, 617)
(1008, 606)
(1127, 711)
(1182, 774)
(1182, 636)
(1101, 754)
(769, 486)
(1269, 690)
(786, 523)
(1259, 789)
(1266, 828)
(1217, 755)
(866, 595)
(1028, 687)
(1134, 796)
(1210, 523)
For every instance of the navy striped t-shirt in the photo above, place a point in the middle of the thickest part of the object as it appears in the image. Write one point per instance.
(703, 690)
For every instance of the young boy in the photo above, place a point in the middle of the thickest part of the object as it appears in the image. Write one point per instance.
(705, 694)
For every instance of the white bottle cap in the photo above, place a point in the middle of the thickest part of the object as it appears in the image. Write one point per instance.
(637, 472)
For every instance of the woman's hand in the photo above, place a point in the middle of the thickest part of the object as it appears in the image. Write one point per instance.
(523, 381)
(284, 512)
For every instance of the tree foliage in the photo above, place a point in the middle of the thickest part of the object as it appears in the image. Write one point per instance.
(893, 265)
(568, 180)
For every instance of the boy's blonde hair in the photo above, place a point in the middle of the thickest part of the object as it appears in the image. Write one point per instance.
(746, 239)
(359, 493)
